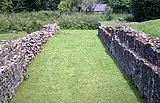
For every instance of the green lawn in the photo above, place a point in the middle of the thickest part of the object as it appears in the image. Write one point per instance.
(151, 27)
(12, 36)
(75, 68)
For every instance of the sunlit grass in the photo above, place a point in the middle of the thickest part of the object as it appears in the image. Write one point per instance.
(151, 27)
(75, 68)
(12, 36)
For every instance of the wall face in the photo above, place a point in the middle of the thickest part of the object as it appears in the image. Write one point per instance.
(15, 56)
(138, 54)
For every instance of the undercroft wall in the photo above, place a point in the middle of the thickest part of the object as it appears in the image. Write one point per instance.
(138, 54)
(16, 55)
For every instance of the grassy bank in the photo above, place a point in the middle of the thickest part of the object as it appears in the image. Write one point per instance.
(151, 27)
(12, 36)
(75, 68)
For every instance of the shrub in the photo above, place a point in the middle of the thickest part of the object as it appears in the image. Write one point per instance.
(33, 21)
(120, 17)
(33, 26)
(26, 21)
(109, 14)
(4, 24)
(146, 9)
(80, 22)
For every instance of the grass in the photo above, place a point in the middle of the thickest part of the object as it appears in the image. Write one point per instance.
(117, 18)
(12, 36)
(151, 27)
(75, 68)
(108, 22)
(121, 16)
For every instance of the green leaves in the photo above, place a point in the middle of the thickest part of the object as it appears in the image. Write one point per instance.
(64, 5)
(69, 5)
(119, 4)
(5, 6)
(90, 22)
(146, 9)
(28, 5)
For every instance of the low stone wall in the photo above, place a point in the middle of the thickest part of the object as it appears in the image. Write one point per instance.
(16, 55)
(138, 54)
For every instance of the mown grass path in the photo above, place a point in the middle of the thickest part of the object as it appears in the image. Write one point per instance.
(75, 69)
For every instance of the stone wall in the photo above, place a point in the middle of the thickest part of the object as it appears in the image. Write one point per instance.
(16, 55)
(138, 54)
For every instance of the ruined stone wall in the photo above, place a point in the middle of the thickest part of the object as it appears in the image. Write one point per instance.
(16, 55)
(138, 54)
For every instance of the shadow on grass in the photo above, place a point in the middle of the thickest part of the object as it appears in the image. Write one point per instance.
(130, 82)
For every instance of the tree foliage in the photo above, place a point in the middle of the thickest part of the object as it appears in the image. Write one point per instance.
(119, 5)
(146, 9)
(37, 5)
(69, 5)
(28, 5)
(64, 6)
(5, 6)
(47, 4)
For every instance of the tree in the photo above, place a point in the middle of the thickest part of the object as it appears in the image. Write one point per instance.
(119, 5)
(64, 6)
(52, 4)
(5, 6)
(24, 5)
(47, 4)
(74, 3)
(146, 9)
(35, 5)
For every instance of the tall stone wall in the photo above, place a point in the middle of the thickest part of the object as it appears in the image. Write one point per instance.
(138, 54)
(16, 55)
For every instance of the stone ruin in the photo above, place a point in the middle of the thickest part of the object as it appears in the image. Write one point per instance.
(138, 54)
(16, 55)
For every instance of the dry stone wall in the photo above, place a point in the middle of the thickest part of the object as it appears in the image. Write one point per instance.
(16, 55)
(138, 54)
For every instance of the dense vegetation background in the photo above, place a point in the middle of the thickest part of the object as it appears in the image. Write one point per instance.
(146, 9)
(37, 5)
(141, 9)
(30, 15)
